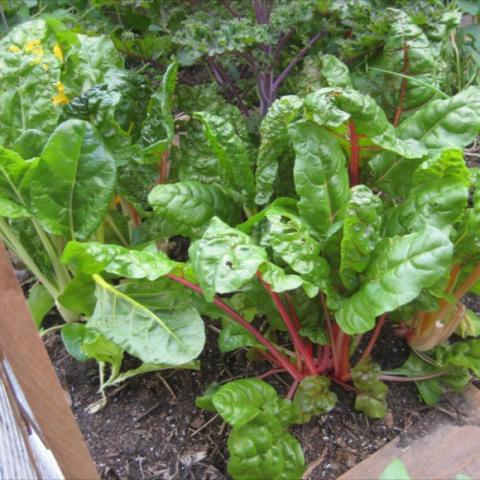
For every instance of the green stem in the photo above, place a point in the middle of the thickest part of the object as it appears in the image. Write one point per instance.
(24, 256)
(116, 230)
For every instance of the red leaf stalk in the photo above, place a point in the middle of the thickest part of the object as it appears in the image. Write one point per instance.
(354, 167)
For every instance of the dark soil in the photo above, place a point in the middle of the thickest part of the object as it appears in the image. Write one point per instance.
(151, 429)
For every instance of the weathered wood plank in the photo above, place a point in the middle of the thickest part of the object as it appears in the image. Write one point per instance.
(24, 349)
(441, 455)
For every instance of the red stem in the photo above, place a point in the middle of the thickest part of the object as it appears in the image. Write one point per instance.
(373, 338)
(164, 168)
(344, 368)
(328, 321)
(324, 358)
(280, 359)
(297, 341)
(273, 371)
(292, 390)
(354, 167)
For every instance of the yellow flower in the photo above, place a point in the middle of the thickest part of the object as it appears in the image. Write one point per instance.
(57, 51)
(14, 48)
(34, 47)
(60, 98)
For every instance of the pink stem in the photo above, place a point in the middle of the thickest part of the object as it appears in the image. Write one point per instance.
(373, 338)
(292, 390)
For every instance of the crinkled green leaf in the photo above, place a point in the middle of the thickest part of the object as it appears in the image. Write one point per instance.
(159, 337)
(40, 302)
(313, 397)
(94, 257)
(400, 268)
(461, 354)
(186, 208)
(241, 401)
(274, 143)
(224, 259)
(264, 451)
(371, 392)
(335, 72)
(72, 184)
(280, 281)
(438, 197)
(231, 152)
(321, 177)
(205, 401)
(361, 229)
(158, 129)
(97, 346)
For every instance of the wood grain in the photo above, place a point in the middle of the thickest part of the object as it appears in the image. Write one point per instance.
(24, 349)
(441, 455)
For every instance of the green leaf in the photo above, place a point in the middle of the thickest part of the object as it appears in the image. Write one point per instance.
(438, 197)
(73, 336)
(321, 177)
(40, 302)
(264, 451)
(335, 72)
(205, 402)
(241, 401)
(13, 169)
(93, 257)
(395, 471)
(234, 336)
(274, 143)
(97, 346)
(186, 208)
(360, 234)
(160, 337)
(158, 129)
(400, 268)
(372, 392)
(72, 184)
(29, 75)
(461, 354)
(79, 295)
(224, 259)
(313, 397)
(231, 152)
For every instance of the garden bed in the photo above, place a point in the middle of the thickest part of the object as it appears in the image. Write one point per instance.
(151, 429)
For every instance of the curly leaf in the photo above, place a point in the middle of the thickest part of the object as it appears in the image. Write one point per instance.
(438, 197)
(321, 177)
(360, 234)
(93, 257)
(162, 337)
(224, 259)
(231, 152)
(186, 208)
(72, 184)
(274, 143)
(314, 397)
(400, 268)
(372, 393)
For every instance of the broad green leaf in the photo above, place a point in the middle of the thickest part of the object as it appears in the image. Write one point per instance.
(281, 281)
(400, 268)
(314, 397)
(79, 295)
(224, 259)
(72, 184)
(29, 80)
(205, 401)
(332, 107)
(93, 257)
(158, 129)
(395, 471)
(97, 346)
(186, 208)
(234, 336)
(40, 302)
(335, 72)
(241, 401)
(360, 234)
(73, 336)
(371, 392)
(321, 177)
(290, 240)
(274, 143)
(450, 123)
(461, 354)
(160, 337)
(231, 152)
(264, 451)
(12, 172)
(438, 197)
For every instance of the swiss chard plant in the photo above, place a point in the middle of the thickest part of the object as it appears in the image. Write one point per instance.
(350, 206)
